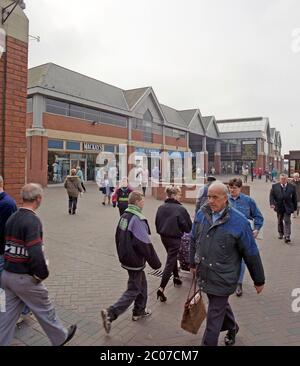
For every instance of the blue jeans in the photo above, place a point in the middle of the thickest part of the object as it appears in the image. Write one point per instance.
(242, 273)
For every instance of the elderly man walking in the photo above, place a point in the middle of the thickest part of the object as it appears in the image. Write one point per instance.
(283, 199)
(221, 238)
(24, 270)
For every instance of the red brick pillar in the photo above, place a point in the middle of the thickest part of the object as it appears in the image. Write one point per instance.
(217, 157)
(13, 94)
(260, 162)
(37, 156)
(217, 163)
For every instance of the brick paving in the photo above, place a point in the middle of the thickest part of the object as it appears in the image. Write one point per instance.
(85, 276)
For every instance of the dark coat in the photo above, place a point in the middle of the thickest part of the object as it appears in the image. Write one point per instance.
(172, 219)
(284, 202)
(7, 207)
(218, 248)
(133, 242)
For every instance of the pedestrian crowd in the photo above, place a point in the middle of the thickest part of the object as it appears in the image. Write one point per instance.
(216, 247)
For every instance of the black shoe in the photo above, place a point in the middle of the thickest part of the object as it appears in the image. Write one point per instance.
(161, 296)
(103, 203)
(239, 290)
(71, 332)
(74, 212)
(177, 281)
(287, 239)
(70, 212)
(230, 336)
(280, 236)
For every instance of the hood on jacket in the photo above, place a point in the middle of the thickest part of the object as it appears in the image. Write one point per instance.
(72, 177)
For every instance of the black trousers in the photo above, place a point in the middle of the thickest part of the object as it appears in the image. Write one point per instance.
(172, 246)
(72, 204)
(136, 292)
(83, 187)
(122, 208)
(219, 318)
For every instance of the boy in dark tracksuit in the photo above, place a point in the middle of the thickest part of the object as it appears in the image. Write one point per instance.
(122, 195)
(134, 250)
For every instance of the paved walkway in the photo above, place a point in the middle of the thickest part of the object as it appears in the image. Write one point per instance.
(85, 276)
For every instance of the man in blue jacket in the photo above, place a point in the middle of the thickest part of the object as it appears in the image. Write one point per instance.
(7, 207)
(221, 237)
(248, 207)
(134, 250)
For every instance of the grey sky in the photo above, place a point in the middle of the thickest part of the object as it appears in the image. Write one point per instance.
(231, 59)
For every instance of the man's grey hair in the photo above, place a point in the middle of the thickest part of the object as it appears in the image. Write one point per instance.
(295, 175)
(219, 185)
(1, 180)
(283, 175)
(31, 191)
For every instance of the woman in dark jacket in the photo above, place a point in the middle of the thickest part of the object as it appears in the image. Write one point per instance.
(172, 221)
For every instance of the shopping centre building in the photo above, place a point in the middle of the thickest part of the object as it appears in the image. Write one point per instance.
(74, 120)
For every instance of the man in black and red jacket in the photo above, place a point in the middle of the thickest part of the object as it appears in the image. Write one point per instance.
(24, 270)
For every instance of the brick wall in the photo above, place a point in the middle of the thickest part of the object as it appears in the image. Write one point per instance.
(62, 123)
(37, 158)
(174, 142)
(13, 81)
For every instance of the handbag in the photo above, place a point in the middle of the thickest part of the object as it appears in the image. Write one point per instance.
(194, 310)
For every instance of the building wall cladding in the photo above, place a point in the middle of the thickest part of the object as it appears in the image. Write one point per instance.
(62, 123)
(13, 81)
(181, 142)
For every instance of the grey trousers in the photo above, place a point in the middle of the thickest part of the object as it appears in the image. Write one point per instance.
(284, 223)
(22, 289)
(136, 292)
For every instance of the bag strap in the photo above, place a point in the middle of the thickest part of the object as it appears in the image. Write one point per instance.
(193, 285)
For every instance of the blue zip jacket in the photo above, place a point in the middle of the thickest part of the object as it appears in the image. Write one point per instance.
(218, 248)
(247, 206)
(7, 207)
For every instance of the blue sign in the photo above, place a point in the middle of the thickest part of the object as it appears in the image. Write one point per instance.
(147, 151)
(176, 154)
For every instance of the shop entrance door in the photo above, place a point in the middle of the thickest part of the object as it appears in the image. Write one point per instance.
(74, 163)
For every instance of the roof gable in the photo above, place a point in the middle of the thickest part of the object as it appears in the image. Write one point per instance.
(148, 101)
(132, 96)
(173, 117)
(196, 124)
(211, 127)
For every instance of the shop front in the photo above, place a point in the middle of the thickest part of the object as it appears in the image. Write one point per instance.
(65, 155)
(149, 158)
